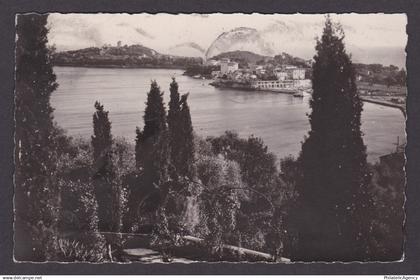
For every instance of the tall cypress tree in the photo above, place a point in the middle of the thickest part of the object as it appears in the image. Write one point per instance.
(185, 155)
(103, 170)
(102, 141)
(36, 196)
(174, 107)
(173, 196)
(174, 124)
(154, 123)
(333, 199)
(152, 143)
(181, 138)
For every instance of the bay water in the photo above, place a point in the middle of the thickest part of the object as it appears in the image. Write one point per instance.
(279, 119)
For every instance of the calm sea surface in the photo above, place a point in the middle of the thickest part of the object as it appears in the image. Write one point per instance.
(279, 119)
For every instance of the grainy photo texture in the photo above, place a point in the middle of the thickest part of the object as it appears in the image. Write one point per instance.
(209, 137)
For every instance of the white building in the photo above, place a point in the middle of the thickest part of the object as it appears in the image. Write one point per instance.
(290, 72)
(274, 85)
(303, 83)
(298, 74)
(281, 75)
(227, 66)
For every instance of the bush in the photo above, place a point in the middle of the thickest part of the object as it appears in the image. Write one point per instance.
(72, 251)
(387, 188)
(260, 176)
(78, 206)
(219, 202)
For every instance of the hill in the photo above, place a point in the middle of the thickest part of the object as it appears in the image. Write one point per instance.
(122, 56)
(285, 58)
(246, 57)
(242, 57)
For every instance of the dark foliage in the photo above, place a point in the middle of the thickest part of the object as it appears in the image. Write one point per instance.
(186, 152)
(154, 125)
(173, 193)
(333, 197)
(258, 165)
(259, 173)
(102, 143)
(387, 188)
(290, 176)
(174, 124)
(152, 157)
(79, 239)
(36, 196)
(103, 170)
(378, 74)
(219, 202)
(181, 138)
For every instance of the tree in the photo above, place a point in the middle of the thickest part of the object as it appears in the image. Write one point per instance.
(79, 207)
(390, 80)
(401, 77)
(291, 175)
(174, 194)
(219, 202)
(333, 198)
(102, 142)
(154, 124)
(37, 197)
(174, 125)
(103, 170)
(152, 153)
(259, 173)
(387, 186)
(185, 154)
(174, 108)
(181, 133)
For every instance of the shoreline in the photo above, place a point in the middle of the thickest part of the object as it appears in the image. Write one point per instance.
(115, 66)
(385, 103)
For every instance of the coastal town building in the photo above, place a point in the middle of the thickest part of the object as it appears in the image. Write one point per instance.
(281, 75)
(294, 73)
(298, 74)
(280, 78)
(290, 73)
(272, 84)
(302, 83)
(281, 86)
(227, 66)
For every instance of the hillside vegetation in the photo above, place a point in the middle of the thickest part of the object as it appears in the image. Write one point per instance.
(124, 56)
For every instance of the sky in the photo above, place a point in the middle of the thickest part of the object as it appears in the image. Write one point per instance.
(370, 37)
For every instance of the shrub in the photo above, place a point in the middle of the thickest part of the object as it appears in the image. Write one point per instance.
(72, 251)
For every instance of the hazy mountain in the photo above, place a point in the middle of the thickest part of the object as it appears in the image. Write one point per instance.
(274, 39)
(242, 39)
(298, 39)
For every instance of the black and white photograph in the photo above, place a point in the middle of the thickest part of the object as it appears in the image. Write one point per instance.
(217, 137)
